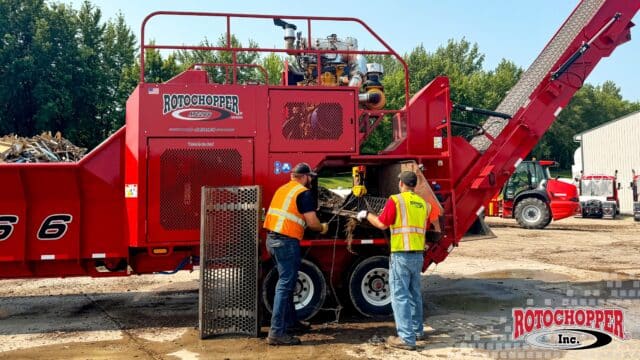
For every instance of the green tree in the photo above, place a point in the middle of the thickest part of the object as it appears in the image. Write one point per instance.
(61, 70)
(17, 61)
(220, 74)
(89, 80)
(274, 65)
(119, 55)
(462, 62)
(591, 106)
(53, 88)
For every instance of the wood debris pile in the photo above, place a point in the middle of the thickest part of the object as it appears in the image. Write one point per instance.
(40, 148)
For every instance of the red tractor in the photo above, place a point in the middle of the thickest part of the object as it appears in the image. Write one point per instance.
(599, 196)
(534, 198)
(635, 185)
(185, 180)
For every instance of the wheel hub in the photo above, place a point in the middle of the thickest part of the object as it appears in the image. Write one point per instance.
(531, 214)
(304, 291)
(375, 287)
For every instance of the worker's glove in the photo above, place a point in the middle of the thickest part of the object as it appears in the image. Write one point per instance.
(362, 215)
(324, 228)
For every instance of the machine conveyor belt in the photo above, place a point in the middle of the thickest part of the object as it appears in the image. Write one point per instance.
(541, 67)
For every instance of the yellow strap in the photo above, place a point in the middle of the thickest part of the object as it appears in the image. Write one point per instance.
(286, 215)
(408, 230)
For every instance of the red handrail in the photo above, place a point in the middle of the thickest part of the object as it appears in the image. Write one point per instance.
(234, 50)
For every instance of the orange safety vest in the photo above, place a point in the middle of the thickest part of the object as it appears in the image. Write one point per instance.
(283, 216)
(408, 230)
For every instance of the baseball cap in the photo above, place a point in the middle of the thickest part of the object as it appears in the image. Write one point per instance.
(303, 169)
(408, 178)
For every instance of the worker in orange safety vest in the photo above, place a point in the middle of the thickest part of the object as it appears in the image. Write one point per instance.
(292, 210)
(408, 216)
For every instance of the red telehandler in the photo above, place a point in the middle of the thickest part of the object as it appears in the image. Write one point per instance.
(534, 198)
(185, 181)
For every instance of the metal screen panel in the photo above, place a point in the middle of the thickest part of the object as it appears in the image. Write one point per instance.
(312, 121)
(229, 261)
(183, 172)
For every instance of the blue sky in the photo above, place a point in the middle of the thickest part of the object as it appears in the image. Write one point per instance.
(515, 30)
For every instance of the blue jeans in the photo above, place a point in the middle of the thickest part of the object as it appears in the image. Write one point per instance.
(286, 253)
(406, 297)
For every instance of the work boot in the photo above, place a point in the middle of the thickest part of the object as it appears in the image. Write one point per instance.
(283, 340)
(422, 337)
(301, 327)
(398, 343)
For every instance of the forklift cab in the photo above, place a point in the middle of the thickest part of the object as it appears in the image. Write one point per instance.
(529, 175)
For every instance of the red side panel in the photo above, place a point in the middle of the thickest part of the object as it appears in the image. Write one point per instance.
(102, 190)
(54, 213)
(564, 199)
(59, 219)
(312, 120)
(178, 169)
(13, 217)
(507, 209)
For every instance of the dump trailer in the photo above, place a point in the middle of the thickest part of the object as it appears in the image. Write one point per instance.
(534, 198)
(599, 196)
(187, 179)
(635, 185)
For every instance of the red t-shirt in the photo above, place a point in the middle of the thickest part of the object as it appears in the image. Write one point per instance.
(388, 215)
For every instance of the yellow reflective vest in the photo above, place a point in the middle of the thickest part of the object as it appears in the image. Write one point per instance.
(408, 230)
(283, 216)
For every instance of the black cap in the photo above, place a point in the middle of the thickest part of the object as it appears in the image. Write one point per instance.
(303, 169)
(408, 178)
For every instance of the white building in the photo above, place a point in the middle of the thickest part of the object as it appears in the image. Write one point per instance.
(612, 146)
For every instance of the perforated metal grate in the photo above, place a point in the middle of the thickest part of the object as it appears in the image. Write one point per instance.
(374, 204)
(309, 121)
(229, 261)
(541, 67)
(183, 172)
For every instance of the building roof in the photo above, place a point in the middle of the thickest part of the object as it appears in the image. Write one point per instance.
(578, 136)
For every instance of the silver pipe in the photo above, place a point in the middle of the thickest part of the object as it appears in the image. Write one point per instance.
(358, 72)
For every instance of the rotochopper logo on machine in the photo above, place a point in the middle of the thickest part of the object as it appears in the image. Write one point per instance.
(201, 107)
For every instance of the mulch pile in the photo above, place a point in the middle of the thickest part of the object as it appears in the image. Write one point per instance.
(40, 148)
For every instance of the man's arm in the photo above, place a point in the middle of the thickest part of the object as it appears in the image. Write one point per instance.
(375, 221)
(307, 206)
(312, 221)
(386, 218)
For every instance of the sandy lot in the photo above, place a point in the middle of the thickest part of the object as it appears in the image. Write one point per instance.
(469, 298)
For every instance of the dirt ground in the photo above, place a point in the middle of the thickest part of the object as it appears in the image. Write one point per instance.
(468, 298)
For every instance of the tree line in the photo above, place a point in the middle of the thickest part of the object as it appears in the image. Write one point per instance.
(69, 70)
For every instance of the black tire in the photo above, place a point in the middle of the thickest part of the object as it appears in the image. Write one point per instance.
(310, 292)
(369, 287)
(532, 213)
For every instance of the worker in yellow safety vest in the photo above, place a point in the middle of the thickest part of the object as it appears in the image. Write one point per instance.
(292, 210)
(408, 216)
